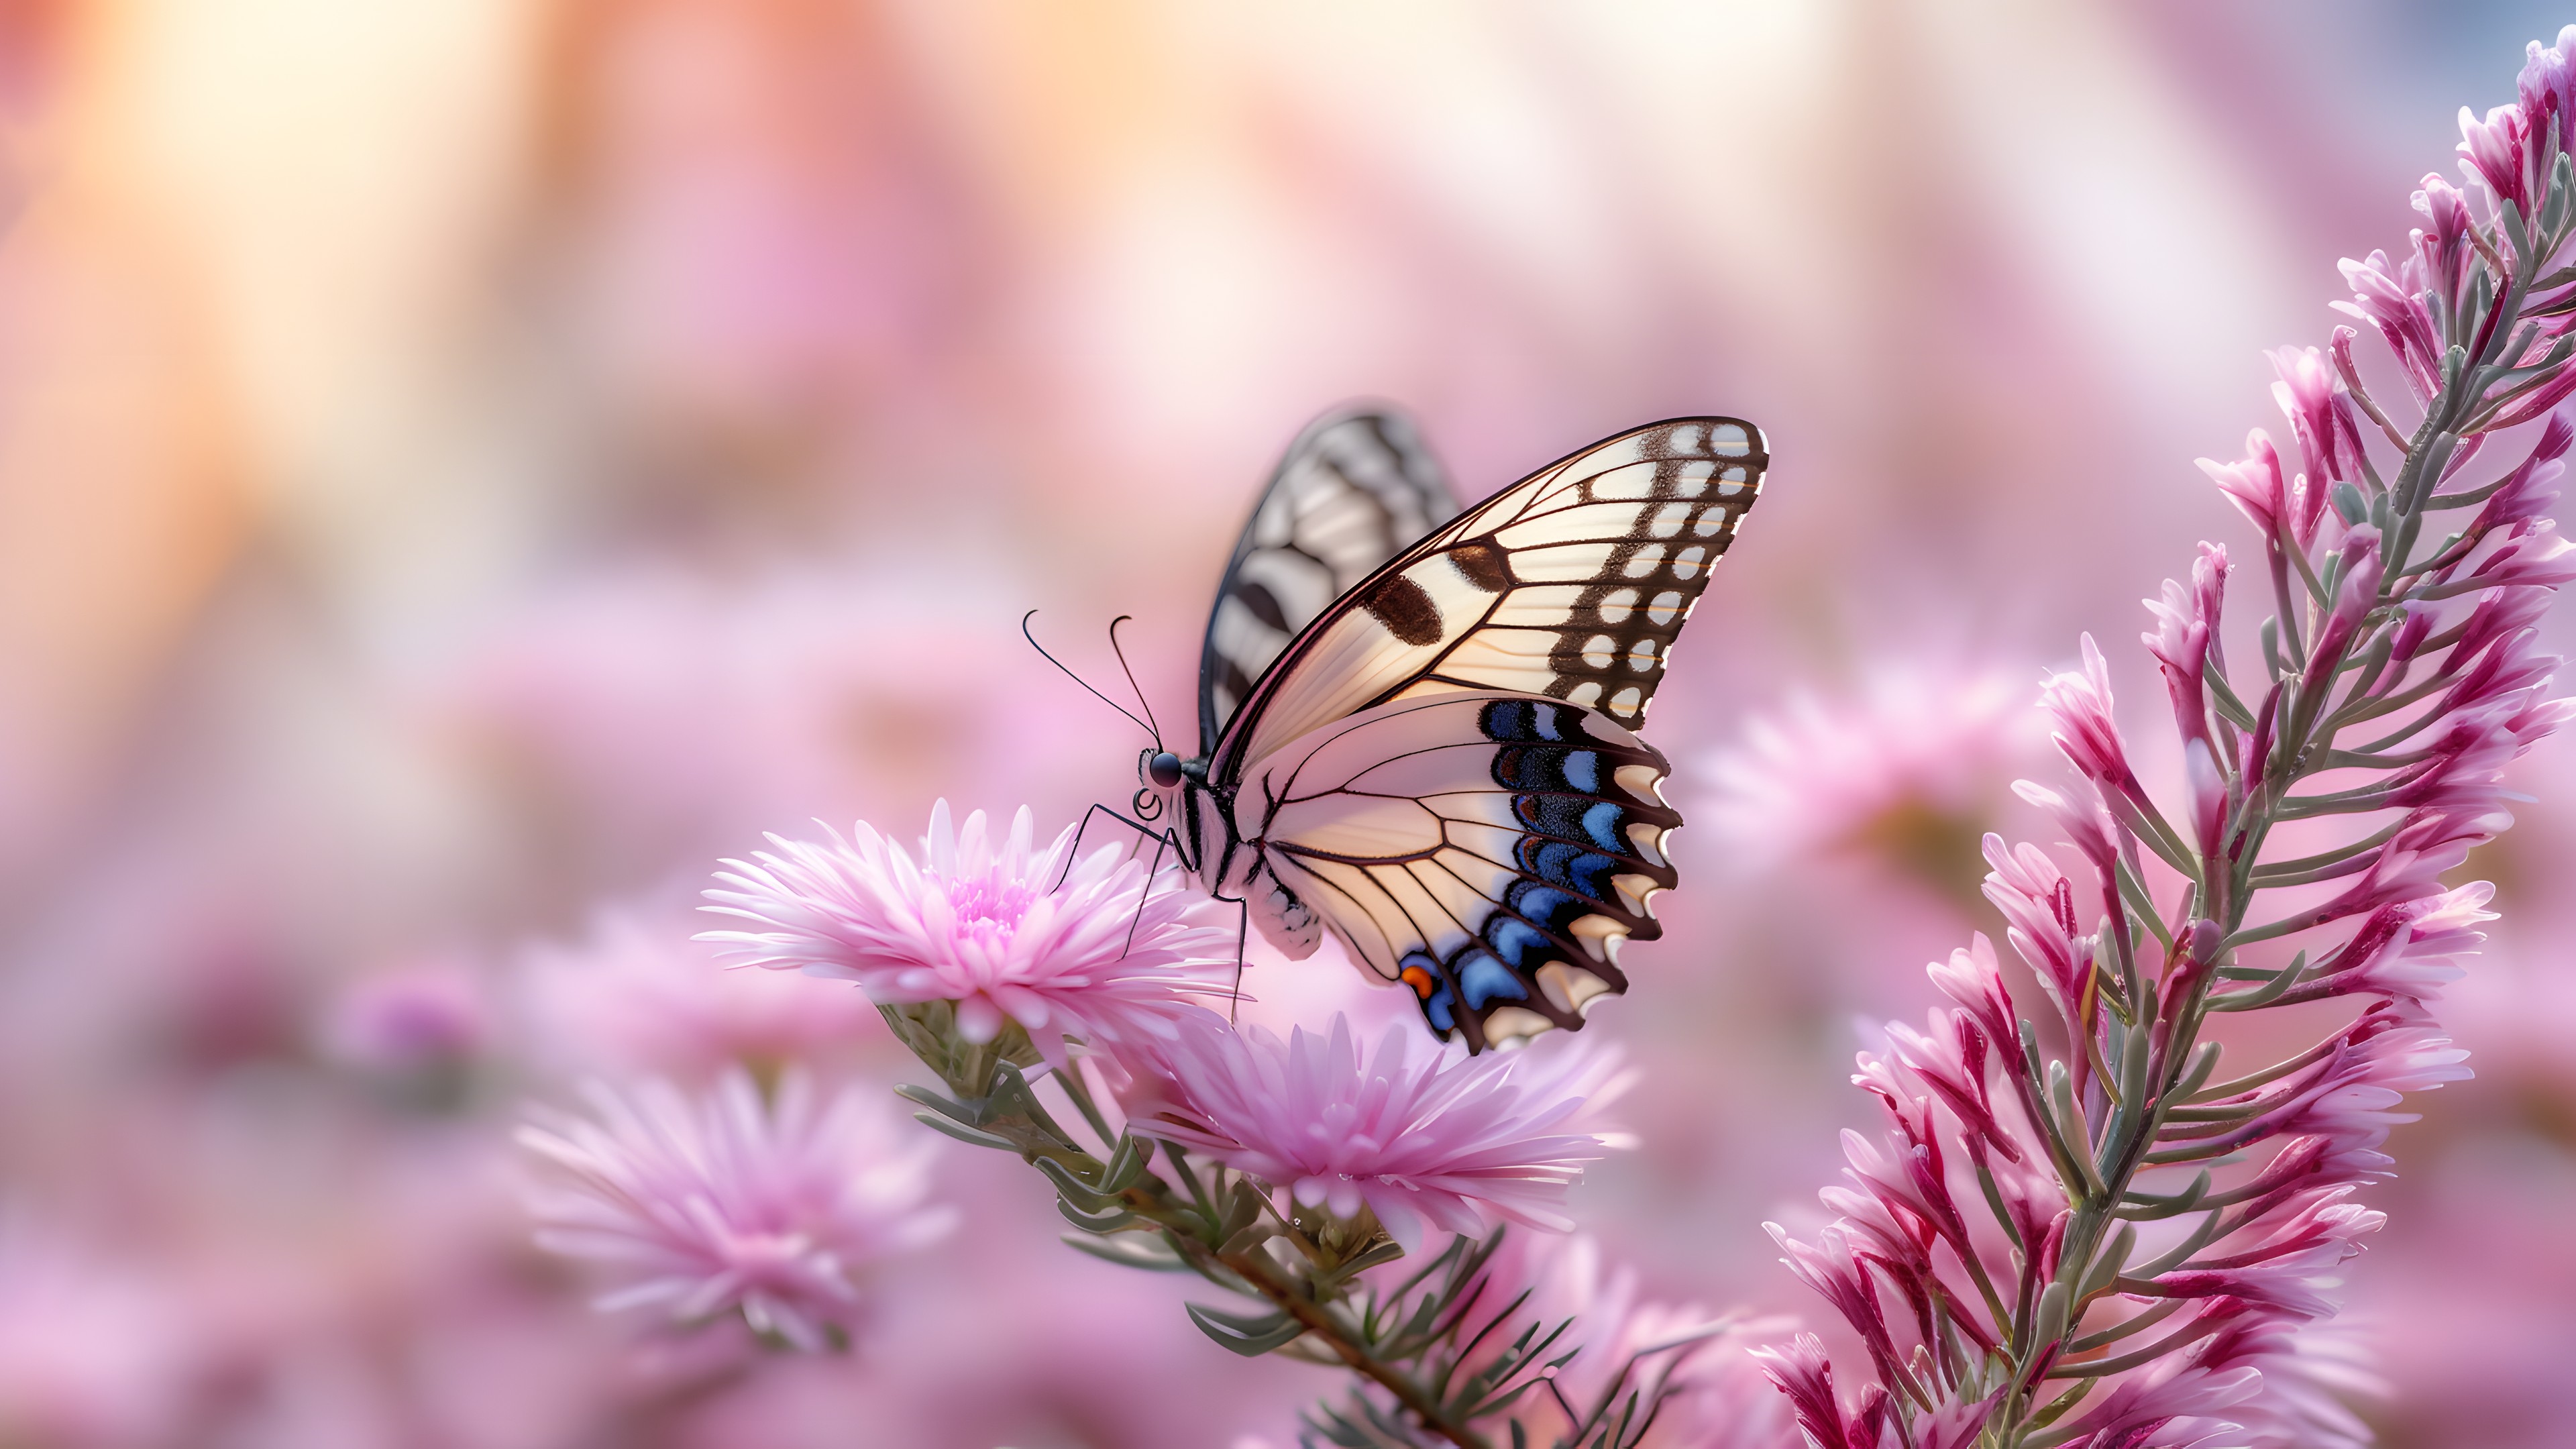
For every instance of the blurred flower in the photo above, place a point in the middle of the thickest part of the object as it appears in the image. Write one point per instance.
(409, 1020)
(91, 1353)
(1689, 1370)
(1418, 1133)
(702, 1206)
(1088, 947)
(635, 998)
(1898, 769)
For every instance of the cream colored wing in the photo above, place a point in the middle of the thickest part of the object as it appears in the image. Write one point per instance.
(1570, 585)
(1491, 852)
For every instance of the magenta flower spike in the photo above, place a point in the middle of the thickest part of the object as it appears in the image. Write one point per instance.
(2082, 1229)
(700, 1207)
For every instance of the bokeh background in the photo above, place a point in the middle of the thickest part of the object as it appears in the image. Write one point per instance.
(466, 466)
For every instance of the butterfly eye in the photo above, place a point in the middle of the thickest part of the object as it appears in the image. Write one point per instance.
(1164, 770)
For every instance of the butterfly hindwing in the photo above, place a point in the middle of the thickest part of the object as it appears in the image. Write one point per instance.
(1570, 584)
(1489, 851)
(1355, 488)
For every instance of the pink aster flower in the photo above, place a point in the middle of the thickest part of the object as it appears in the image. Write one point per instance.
(1088, 947)
(1420, 1134)
(1818, 774)
(429, 1015)
(1689, 1370)
(705, 1206)
(92, 1351)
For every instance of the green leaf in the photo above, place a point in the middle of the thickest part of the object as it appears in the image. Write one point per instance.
(1127, 1163)
(926, 1097)
(1076, 1191)
(1250, 1335)
(1107, 1222)
(962, 1132)
(1130, 1250)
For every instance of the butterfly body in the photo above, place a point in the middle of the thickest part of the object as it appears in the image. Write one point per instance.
(1436, 761)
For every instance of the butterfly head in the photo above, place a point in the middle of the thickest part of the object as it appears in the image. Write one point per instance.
(1158, 773)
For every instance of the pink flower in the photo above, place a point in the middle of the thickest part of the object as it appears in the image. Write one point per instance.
(2445, 244)
(2311, 1377)
(2394, 306)
(705, 1206)
(2321, 419)
(2410, 949)
(2038, 902)
(1088, 947)
(1689, 1369)
(2547, 88)
(2493, 150)
(92, 1351)
(2186, 623)
(1420, 1134)
(2079, 707)
(406, 1020)
(2255, 485)
(1815, 775)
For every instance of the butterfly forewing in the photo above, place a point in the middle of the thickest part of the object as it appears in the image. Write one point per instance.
(1490, 852)
(1355, 488)
(1571, 584)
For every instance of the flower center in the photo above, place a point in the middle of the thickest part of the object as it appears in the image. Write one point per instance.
(988, 910)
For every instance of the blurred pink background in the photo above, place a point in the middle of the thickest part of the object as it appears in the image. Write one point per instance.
(464, 467)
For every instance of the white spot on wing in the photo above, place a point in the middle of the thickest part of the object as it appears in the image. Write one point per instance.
(1624, 703)
(1641, 655)
(1686, 563)
(1617, 605)
(1666, 604)
(1644, 561)
(1599, 650)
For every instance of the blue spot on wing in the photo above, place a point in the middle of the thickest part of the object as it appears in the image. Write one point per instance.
(1523, 721)
(1601, 822)
(1483, 978)
(1514, 940)
(1551, 908)
(1582, 769)
(1563, 863)
(1437, 1009)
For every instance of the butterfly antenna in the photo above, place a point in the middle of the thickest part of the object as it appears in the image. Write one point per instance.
(1141, 701)
(1086, 684)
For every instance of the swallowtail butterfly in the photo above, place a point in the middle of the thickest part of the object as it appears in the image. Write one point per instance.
(1417, 725)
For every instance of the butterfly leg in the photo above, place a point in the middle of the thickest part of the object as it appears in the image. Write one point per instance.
(1151, 871)
(1242, 936)
(1160, 837)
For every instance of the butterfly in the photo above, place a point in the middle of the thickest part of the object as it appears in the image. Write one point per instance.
(1418, 724)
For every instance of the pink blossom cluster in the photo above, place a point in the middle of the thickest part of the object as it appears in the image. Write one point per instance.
(770, 1205)
(2075, 1227)
(1087, 953)
(1086, 973)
